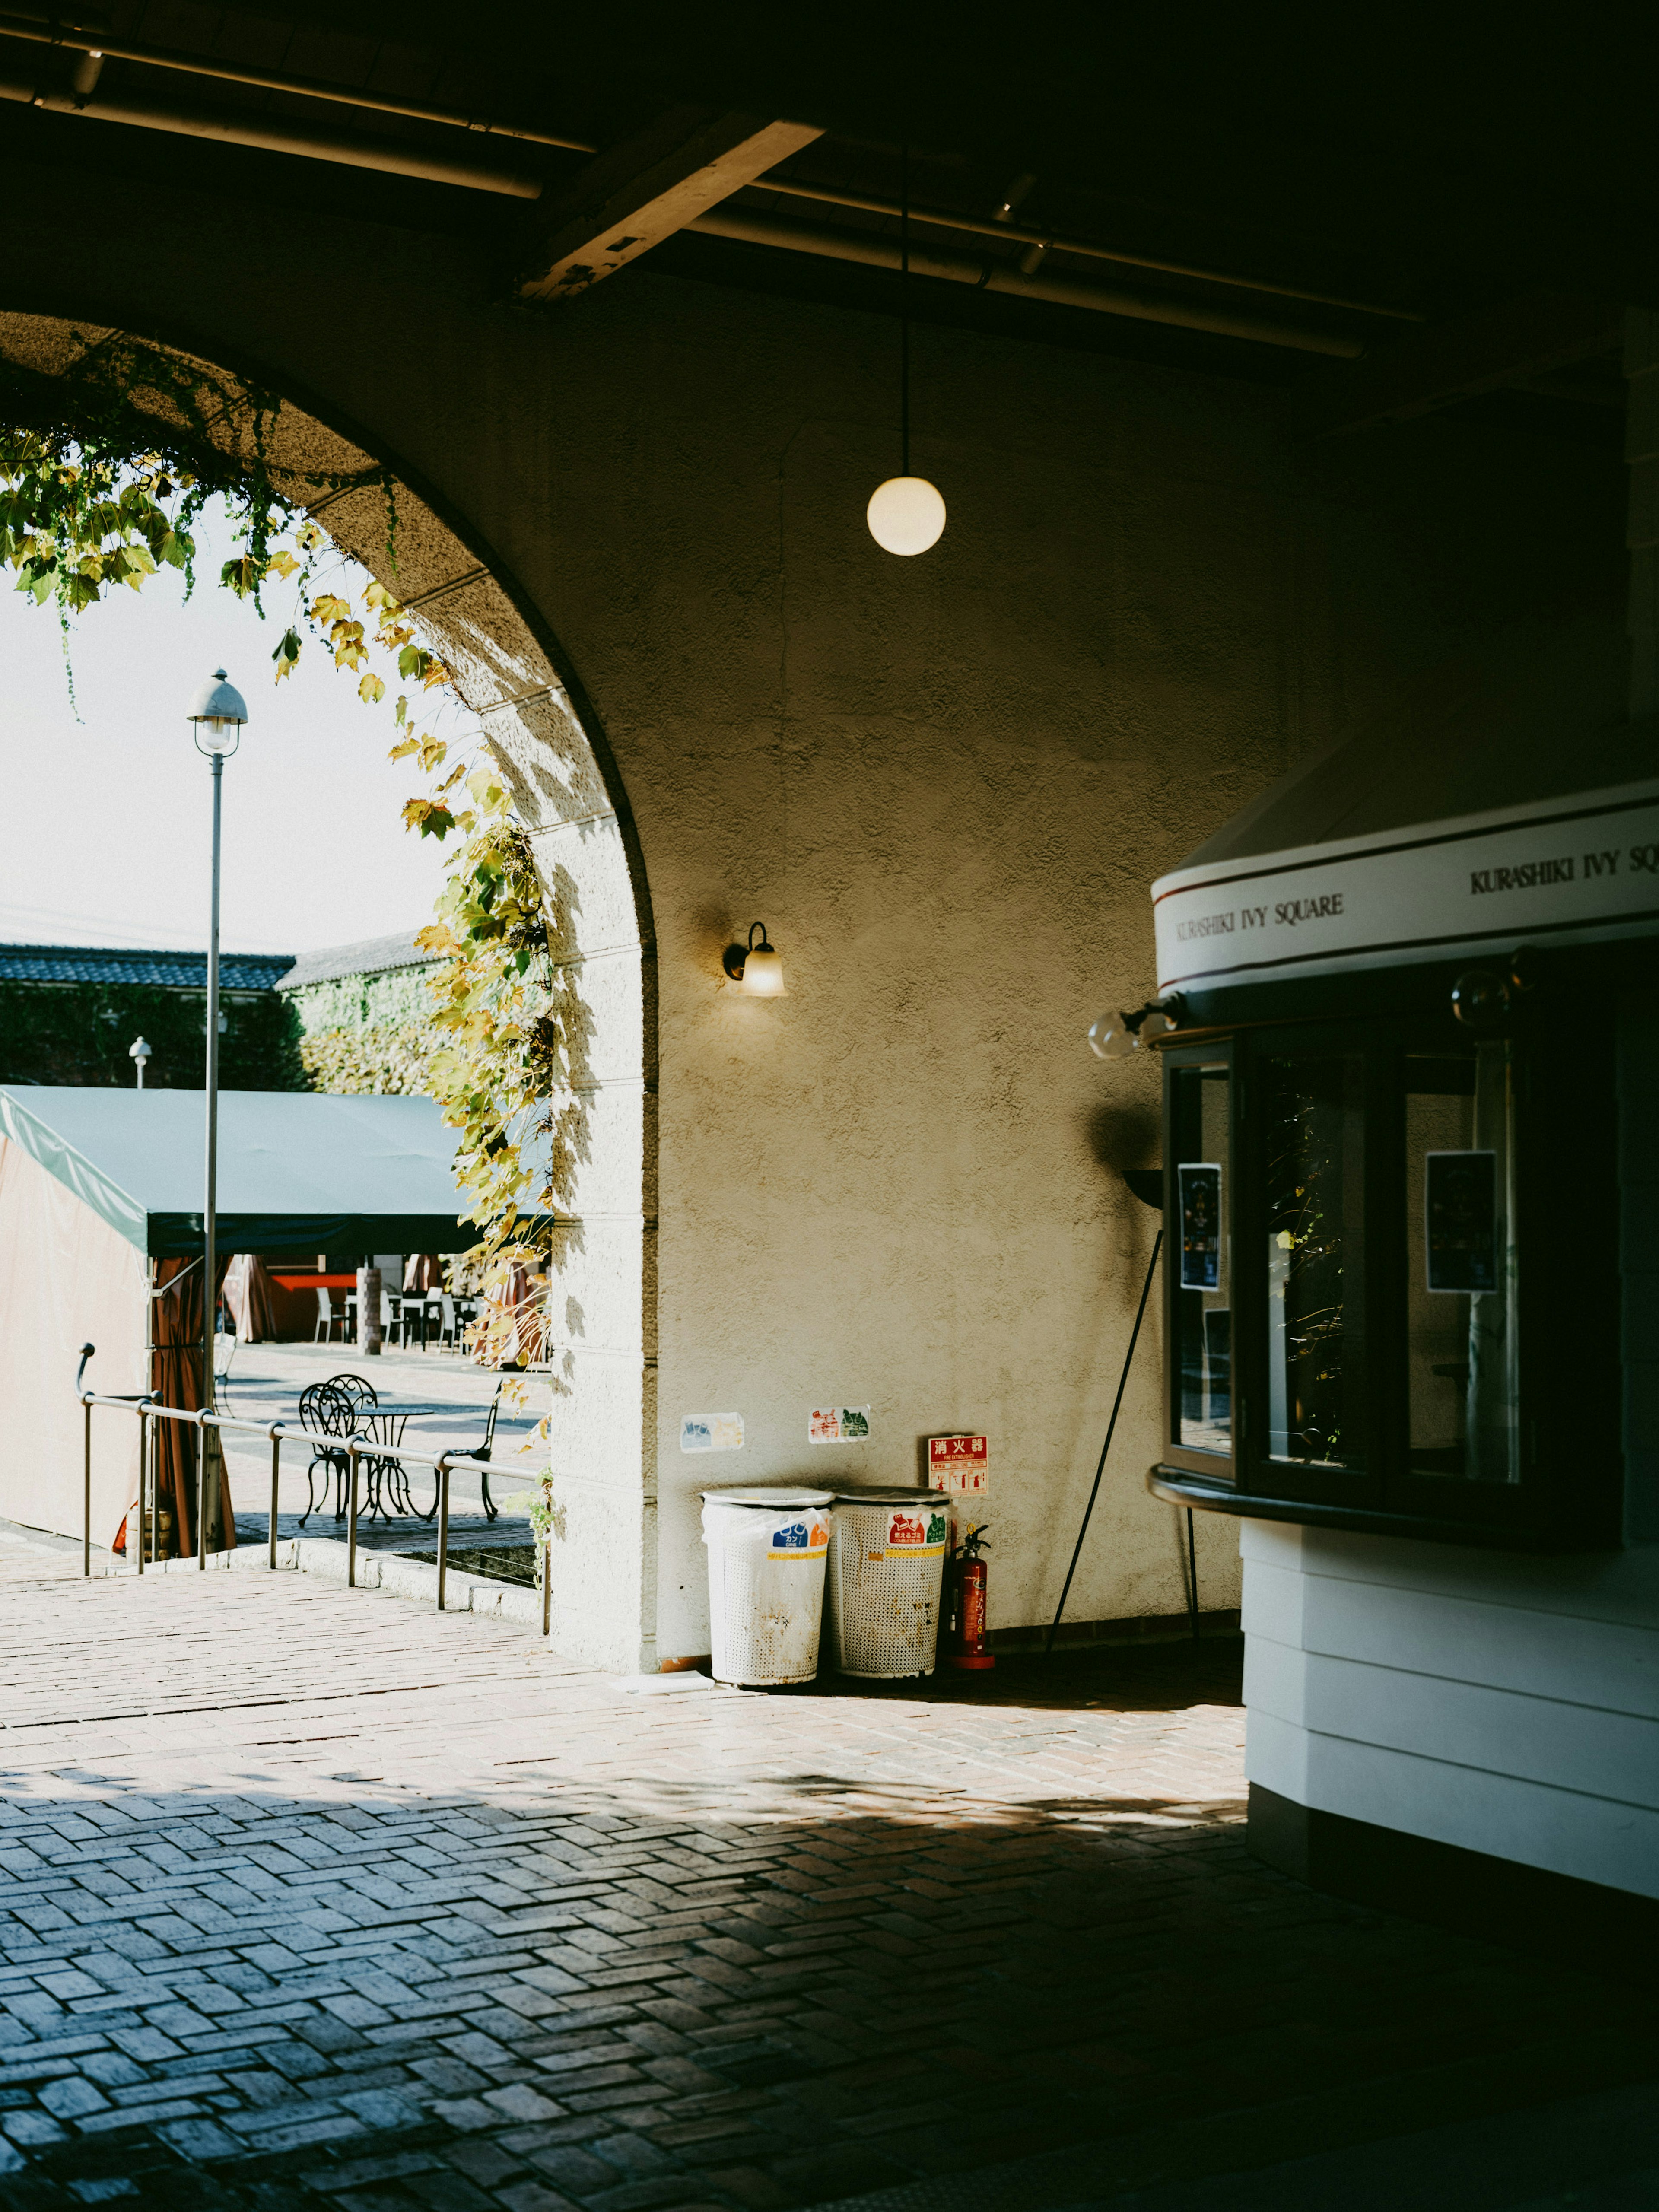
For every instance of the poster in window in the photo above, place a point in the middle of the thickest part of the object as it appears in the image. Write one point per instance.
(1200, 1184)
(1460, 1208)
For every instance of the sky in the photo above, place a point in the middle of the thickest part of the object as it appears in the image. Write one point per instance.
(105, 821)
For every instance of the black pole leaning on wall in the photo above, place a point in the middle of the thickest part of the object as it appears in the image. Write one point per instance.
(1122, 1382)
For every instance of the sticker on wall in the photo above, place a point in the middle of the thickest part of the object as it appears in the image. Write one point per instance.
(700, 1433)
(838, 1424)
(1460, 1207)
(1200, 1184)
(916, 1533)
(960, 1464)
(805, 1537)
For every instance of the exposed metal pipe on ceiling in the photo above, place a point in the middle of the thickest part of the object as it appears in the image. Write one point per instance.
(1040, 243)
(957, 268)
(272, 135)
(80, 38)
(90, 41)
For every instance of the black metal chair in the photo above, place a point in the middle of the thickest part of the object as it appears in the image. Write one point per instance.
(483, 1451)
(326, 1410)
(358, 1392)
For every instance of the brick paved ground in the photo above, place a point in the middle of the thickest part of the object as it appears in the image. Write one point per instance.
(309, 1897)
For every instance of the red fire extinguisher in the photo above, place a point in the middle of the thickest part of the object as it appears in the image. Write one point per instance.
(967, 1604)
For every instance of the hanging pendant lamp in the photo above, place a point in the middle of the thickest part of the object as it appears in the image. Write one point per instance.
(906, 514)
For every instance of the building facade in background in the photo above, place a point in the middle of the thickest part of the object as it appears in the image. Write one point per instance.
(71, 1013)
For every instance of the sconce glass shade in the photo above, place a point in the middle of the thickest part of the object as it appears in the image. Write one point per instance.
(217, 713)
(906, 515)
(762, 975)
(1111, 1038)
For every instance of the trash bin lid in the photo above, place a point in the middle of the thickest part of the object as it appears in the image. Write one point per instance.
(787, 1496)
(894, 1495)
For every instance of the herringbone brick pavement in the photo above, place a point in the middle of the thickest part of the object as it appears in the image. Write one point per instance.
(311, 1897)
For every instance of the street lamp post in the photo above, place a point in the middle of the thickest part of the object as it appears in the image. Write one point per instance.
(218, 714)
(139, 1053)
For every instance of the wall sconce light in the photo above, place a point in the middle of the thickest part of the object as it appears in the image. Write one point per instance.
(756, 970)
(1114, 1036)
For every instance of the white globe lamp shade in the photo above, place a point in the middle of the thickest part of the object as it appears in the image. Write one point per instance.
(762, 975)
(217, 713)
(906, 515)
(1111, 1038)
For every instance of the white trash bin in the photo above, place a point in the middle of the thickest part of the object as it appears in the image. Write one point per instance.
(886, 1567)
(766, 1553)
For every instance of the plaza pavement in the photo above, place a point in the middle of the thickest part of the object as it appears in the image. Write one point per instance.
(311, 1897)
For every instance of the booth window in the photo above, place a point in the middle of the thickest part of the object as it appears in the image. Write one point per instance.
(1391, 1281)
(1201, 1138)
(1464, 1381)
(1314, 1149)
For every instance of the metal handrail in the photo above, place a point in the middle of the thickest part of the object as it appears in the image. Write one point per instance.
(353, 1449)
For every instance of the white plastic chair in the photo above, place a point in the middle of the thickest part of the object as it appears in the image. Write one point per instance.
(327, 1319)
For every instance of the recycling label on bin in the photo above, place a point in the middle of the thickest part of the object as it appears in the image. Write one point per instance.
(914, 1536)
(806, 1537)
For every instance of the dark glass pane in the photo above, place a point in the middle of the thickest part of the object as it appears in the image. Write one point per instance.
(1461, 1382)
(1315, 1260)
(1202, 1258)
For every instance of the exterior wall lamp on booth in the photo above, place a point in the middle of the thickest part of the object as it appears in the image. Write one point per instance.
(756, 970)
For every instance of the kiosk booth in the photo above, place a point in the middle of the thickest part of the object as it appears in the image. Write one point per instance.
(1411, 1303)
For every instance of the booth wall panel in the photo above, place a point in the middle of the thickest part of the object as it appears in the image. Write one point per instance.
(1572, 1747)
(1573, 1657)
(1504, 1704)
(1562, 1831)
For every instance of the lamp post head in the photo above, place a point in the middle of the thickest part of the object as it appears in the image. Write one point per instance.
(218, 711)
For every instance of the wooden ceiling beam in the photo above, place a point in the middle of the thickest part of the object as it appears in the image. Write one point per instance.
(644, 189)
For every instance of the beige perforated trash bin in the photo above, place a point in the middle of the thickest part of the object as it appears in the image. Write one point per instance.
(886, 1565)
(766, 1554)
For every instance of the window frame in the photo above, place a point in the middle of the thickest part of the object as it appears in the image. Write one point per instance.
(1218, 1467)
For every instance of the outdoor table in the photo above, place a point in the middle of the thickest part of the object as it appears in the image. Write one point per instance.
(386, 1479)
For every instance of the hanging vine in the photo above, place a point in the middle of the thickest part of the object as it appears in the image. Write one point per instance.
(105, 473)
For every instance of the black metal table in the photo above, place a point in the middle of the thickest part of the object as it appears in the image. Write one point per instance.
(385, 1478)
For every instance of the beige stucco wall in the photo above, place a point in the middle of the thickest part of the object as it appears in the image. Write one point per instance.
(944, 785)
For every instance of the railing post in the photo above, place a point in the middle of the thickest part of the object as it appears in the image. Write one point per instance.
(201, 1490)
(277, 1428)
(546, 1583)
(351, 1513)
(443, 1524)
(86, 1488)
(143, 1463)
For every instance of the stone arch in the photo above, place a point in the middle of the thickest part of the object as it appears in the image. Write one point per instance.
(514, 676)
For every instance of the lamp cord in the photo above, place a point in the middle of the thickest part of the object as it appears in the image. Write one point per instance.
(904, 309)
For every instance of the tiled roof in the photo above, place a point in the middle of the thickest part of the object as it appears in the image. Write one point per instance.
(371, 956)
(97, 963)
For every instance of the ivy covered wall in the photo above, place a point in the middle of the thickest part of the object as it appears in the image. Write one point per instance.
(388, 999)
(80, 1032)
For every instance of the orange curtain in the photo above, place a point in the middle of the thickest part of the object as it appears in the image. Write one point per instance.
(176, 1380)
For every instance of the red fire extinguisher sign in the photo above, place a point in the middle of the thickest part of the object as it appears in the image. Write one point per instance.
(962, 1464)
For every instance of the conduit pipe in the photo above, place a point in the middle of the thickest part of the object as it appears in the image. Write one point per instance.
(960, 269)
(273, 136)
(78, 39)
(1040, 243)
